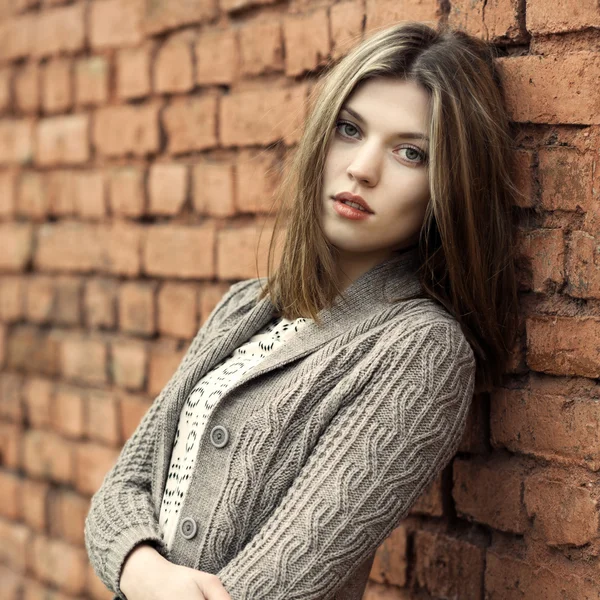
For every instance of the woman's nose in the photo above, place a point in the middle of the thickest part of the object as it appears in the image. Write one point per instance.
(366, 166)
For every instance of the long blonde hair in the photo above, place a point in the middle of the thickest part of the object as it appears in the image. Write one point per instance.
(467, 242)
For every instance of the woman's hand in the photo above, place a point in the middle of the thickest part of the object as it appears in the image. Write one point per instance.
(147, 575)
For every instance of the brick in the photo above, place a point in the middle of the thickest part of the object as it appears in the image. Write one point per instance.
(10, 443)
(307, 41)
(8, 193)
(116, 23)
(127, 191)
(27, 88)
(133, 72)
(92, 80)
(41, 299)
(186, 252)
(558, 89)
(173, 66)
(100, 300)
(566, 179)
(261, 47)
(18, 37)
(536, 246)
(262, 117)
(257, 177)
(213, 189)
(490, 493)
(563, 345)
(72, 193)
(191, 124)
(11, 584)
(12, 295)
(6, 76)
(511, 577)
(67, 310)
(31, 350)
(60, 30)
(11, 492)
(92, 462)
(131, 410)
(495, 22)
(346, 23)
(123, 242)
(544, 17)
(32, 196)
(37, 398)
(524, 165)
(216, 58)
(168, 186)
(164, 360)
(68, 412)
(84, 360)
(447, 567)
(57, 85)
(58, 563)
(17, 246)
(63, 140)
(16, 141)
(128, 364)
(15, 540)
(583, 266)
(390, 563)
(67, 511)
(102, 419)
(69, 246)
(127, 130)
(178, 310)
(380, 13)
(162, 15)
(237, 253)
(90, 198)
(46, 455)
(137, 308)
(563, 511)
(11, 397)
(62, 192)
(35, 504)
(430, 501)
(54, 300)
(552, 427)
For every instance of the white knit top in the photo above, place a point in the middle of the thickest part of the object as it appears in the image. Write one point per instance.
(199, 404)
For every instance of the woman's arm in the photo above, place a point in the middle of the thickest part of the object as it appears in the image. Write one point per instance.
(122, 514)
(372, 463)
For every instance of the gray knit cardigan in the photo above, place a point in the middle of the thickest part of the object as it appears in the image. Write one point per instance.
(320, 450)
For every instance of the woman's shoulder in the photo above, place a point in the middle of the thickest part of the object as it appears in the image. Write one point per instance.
(428, 320)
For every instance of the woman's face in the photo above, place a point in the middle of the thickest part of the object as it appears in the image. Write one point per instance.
(371, 154)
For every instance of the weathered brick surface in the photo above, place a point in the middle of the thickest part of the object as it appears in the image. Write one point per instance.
(141, 146)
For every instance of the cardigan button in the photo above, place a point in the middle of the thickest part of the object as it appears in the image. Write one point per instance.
(219, 436)
(188, 528)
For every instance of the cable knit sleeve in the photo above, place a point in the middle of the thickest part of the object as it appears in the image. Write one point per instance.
(377, 455)
(121, 513)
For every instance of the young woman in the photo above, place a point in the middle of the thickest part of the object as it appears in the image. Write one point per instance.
(315, 405)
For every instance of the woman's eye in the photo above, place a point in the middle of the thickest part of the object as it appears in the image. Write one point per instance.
(341, 124)
(417, 156)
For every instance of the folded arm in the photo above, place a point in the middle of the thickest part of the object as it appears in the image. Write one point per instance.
(376, 457)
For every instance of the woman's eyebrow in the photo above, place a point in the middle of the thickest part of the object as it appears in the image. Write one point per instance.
(404, 134)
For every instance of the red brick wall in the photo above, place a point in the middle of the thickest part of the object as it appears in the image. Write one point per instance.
(140, 143)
